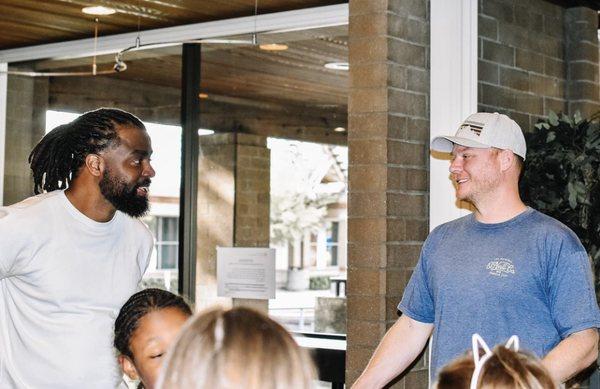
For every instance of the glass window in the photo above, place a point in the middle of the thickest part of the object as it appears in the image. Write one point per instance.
(166, 233)
(332, 243)
(308, 219)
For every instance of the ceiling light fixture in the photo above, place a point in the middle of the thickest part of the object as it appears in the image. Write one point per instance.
(119, 66)
(337, 65)
(339, 129)
(98, 10)
(273, 47)
(205, 131)
(203, 95)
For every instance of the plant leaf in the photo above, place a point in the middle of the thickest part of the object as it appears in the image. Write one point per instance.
(572, 196)
(553, 118)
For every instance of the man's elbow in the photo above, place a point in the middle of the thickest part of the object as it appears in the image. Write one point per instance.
(592, 343)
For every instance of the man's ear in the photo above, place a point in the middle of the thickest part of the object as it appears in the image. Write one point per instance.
(507, 159)
(128, 367)
(95, 164)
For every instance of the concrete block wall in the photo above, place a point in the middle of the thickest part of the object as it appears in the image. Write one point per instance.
(581, 49)
(151, 103)
(388, 116)
(25, 123)
(233, 205)
(160, 104)
(536, 57)
(252, 192)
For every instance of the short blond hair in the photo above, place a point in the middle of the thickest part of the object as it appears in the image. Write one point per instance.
(505, 369)
(236, 348)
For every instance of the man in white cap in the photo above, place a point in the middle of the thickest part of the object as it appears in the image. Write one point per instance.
(504, 270)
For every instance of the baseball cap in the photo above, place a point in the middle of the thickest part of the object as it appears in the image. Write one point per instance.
(484, 130)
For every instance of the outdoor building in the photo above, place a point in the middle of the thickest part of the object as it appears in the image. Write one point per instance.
(319, 149)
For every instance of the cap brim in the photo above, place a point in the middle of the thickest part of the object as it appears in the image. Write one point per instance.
(445, 144)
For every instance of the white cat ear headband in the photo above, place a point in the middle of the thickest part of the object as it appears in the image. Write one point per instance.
(478, 343)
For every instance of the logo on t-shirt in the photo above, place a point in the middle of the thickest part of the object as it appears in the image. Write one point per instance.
(501, 267)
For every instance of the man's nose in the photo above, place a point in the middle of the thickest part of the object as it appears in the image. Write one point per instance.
(149, 171)
(455, 166)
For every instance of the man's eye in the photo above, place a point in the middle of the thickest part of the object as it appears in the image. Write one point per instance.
(157, 355)
(136, 162)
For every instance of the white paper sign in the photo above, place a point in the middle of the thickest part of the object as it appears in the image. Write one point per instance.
(246, 272)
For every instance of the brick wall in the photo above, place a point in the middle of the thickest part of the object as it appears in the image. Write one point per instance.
(152, 103)
(526, 54)
(581, 50)
(388, 168)
(233, 205)
(25, 123)
(160, 104)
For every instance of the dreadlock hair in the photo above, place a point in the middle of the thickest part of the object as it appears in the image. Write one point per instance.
(138, 306)
(56, 159)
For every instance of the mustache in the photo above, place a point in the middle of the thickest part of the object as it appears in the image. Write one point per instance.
(145, 182)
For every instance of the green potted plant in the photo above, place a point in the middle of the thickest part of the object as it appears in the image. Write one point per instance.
(562, 177)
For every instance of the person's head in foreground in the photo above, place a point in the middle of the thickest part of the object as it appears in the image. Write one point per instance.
(146, 327)
(236, 348)
(488, 151)
(504, 367)
(105, 152)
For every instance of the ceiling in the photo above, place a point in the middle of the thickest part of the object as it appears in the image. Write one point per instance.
(247, 87)
(296, 76)
(32, 22)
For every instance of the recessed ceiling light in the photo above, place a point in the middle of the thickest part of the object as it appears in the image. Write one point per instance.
(337, 65)
(339, 129)
(98, 10)
(273, 47)
(203, 95)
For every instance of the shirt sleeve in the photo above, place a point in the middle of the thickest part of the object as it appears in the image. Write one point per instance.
(571, 294)
(417, 301)
(12, 247)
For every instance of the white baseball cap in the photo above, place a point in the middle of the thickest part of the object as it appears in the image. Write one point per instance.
(485, 130)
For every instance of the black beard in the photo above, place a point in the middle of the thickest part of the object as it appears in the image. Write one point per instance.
(123, 196)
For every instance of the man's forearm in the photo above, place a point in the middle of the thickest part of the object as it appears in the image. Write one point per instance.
(572, 354)
(397, 350)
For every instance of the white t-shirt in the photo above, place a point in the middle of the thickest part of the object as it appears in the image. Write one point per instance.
(63, 279)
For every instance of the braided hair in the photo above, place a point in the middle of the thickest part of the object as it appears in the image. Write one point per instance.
(56, 159)
(138, 306)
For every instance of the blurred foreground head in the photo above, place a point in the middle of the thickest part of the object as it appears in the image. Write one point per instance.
(236, 348)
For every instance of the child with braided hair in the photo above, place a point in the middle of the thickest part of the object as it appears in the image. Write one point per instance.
(146, 326)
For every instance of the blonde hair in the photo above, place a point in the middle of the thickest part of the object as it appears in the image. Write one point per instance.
(505, 369)
(236, 348)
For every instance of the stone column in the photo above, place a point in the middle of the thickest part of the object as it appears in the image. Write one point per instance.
(233, 206)
(388, 169)
(581, 55)
(27, 102)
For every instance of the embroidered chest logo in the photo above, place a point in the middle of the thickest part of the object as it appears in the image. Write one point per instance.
(501, 267)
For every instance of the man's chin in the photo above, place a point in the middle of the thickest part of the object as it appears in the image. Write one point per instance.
(464, 197)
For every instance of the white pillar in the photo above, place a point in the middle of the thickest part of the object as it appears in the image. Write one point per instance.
(3, 102)
(453, 93)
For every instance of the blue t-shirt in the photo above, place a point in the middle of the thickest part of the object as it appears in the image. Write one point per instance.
(528, 276)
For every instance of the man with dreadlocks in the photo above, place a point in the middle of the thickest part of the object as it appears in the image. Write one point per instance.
(71, 256)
